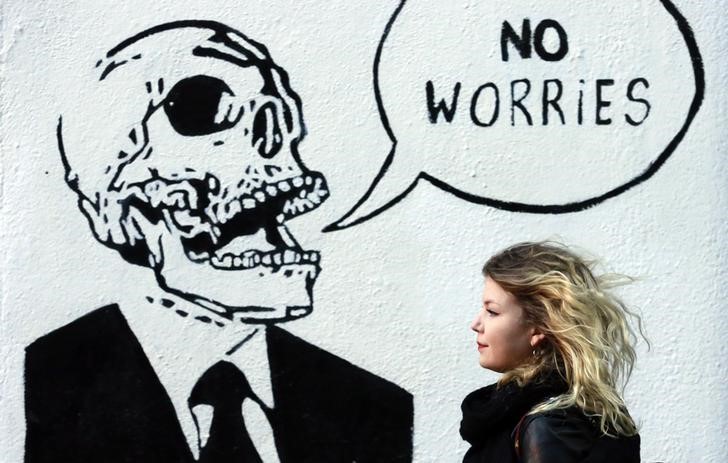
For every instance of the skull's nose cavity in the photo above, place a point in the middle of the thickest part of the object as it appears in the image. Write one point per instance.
(267, 138)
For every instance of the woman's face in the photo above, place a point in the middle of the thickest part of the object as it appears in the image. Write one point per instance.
(505, 340)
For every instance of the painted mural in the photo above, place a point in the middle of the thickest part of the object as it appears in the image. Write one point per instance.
(212, 228)
(179, 145)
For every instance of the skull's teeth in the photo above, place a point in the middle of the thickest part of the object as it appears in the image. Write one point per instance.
(309, 193)
(303, 203)
(307, 199)
(250, 259)
(234, 209)
(198, 257)
(212, 182)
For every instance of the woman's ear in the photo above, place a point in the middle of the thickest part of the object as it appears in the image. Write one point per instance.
(537, 337)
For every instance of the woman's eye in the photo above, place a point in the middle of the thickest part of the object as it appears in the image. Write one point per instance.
(491, 313)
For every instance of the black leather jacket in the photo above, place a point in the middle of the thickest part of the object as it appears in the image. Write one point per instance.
(491, 417)
(566, 436)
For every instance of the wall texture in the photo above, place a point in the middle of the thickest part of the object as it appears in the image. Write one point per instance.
(159, 159)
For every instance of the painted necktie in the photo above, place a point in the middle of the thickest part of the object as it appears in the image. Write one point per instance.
(224, 387)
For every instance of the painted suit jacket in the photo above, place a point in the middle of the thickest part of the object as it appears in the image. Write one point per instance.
(92, 396)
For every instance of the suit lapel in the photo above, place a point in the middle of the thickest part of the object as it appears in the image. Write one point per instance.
(308, 425)
(126, 403)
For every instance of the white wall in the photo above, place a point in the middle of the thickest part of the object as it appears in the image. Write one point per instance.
(397, 292)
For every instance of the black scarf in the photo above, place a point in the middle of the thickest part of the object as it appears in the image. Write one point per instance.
(492, 409)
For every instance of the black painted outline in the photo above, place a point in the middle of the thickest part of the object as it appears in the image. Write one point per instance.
(698, 70)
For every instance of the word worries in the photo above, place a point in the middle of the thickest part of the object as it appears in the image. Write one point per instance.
(525, 100)
(485, 101)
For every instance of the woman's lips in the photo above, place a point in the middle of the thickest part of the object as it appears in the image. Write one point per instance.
(481, 346)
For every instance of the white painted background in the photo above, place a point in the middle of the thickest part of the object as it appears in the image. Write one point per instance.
(396, 293)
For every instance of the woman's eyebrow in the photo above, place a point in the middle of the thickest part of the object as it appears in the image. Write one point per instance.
(490, 301)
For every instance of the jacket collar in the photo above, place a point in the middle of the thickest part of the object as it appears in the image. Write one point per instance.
(494, 408)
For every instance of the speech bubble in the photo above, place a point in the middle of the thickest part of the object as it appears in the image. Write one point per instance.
(526, 106)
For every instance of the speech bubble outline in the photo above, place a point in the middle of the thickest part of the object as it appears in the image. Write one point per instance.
(362, 211)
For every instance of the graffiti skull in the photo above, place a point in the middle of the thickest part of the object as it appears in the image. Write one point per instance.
(194, 169)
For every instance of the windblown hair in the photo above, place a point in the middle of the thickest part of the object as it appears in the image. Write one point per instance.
(588, 338)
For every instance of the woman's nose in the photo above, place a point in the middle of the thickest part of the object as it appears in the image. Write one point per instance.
(476, 324)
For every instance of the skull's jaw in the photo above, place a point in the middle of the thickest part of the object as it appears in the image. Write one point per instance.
(271, 294)
(235, 258)
(269, 291)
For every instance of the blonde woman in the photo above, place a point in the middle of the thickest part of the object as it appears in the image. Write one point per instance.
(564, 346)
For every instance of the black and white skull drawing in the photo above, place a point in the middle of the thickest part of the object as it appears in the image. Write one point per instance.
(194, 168)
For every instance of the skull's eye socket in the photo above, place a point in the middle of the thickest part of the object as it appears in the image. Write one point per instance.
(267, 138)
(193, 103)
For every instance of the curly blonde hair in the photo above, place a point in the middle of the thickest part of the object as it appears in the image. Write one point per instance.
(588, 338)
